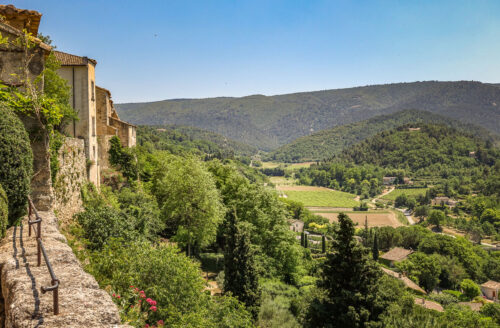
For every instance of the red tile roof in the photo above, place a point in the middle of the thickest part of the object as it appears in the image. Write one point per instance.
(73, 60)
(396, 254)
(491, 284)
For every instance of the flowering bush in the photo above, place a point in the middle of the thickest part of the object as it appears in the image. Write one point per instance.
(137, 310)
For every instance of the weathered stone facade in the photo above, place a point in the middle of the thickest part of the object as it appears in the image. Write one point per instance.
(18, 67)
(79, 72)
(72, 175)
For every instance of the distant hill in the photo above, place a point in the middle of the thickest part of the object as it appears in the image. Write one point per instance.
(430, 148)
(268, 122)
(327, 143)
(184, 138)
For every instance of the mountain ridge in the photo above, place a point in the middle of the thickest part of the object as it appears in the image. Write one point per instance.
(268, 122)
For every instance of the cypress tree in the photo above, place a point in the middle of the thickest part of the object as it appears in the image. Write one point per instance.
(240, 274)
(349, 280)
(306, 240)
(365, 233)
(302, 239)
(323, 244)
(375, 248)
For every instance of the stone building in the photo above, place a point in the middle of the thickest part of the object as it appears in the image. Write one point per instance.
(109, 125)
(18, 68)
(79, 72)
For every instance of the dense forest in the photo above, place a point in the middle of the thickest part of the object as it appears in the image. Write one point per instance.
(270, 122)
(184, 138)
(330, 142)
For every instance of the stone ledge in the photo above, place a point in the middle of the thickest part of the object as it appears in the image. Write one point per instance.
(81, 301)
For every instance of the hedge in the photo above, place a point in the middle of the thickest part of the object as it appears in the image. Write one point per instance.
(16, 162)
(4, 212)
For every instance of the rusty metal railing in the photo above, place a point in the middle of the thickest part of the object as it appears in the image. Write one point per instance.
(54, 288)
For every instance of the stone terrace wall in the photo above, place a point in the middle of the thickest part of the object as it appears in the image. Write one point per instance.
(71, 177)
(82, 303)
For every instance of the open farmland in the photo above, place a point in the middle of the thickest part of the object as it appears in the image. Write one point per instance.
(409, 192)
(318, 196)
(375, 219)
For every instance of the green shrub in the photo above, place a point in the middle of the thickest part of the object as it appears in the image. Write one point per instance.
(16, 161)
(100, 223)
(470, 288)
(4, 212)
(212, 262)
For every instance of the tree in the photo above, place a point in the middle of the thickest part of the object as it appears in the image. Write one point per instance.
(425, 268)
(190, 205)
(16, 160)
(401, 200)
(470, 289)
(349, 281)
(421, 212)
(365, 232)
(436, 217)
(375, 248)
(323, 244)
(122, 158)
(240, 274)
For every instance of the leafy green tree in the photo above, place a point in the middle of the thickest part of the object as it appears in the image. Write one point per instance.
(350, 283)
(470, 289)
(422, 211)
(100, 223)
(189, 200)
(16, 160)
(436, 217)
(240, 274)
(122, 158)
(401, 200)
(491, 310)
(424, 268)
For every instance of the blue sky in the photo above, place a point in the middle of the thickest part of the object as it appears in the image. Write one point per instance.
(162, 49)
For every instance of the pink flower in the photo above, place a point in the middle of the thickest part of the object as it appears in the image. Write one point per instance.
(136, 289)
(146, 326)
(153, 302)
(131, 286)
(153, 308)
(160, 322)
(118, 296)
(150, 301)
(114, 295)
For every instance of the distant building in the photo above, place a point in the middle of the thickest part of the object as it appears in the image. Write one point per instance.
(490, 290)
(388, 180)
(109, 125)
(79, 72)
(430, 305)
(443, 200)
(407, 181)
(407, 281)
(413, 129)
(472, 154)
(296, 225)
(396, 254)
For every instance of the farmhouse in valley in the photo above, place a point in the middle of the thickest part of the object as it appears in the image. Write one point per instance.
(388, 180)
(296, 225)
(440, 201)
(396, 254)
(490, 290)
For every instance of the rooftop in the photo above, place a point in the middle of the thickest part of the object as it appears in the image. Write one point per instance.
(396, 254)
(9, 29)
(491, 284)
(407, 281)
(21, 18)
(73, 60)
(429, 304)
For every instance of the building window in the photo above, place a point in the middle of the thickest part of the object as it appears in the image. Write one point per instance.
(92, 87)
(93, 126)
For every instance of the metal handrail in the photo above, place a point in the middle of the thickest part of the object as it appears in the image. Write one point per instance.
(54, 288)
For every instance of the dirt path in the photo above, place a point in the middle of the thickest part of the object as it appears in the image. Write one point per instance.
(385, 192)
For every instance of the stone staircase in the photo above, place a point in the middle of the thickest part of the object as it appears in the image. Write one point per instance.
(22, 304)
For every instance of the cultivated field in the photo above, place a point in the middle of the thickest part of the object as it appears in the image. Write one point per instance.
(318, 196)
(409, 192)
(375, 219)
(289, 166)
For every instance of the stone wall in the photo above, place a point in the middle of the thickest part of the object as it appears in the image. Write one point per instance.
(81, 302)
(71, 177)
